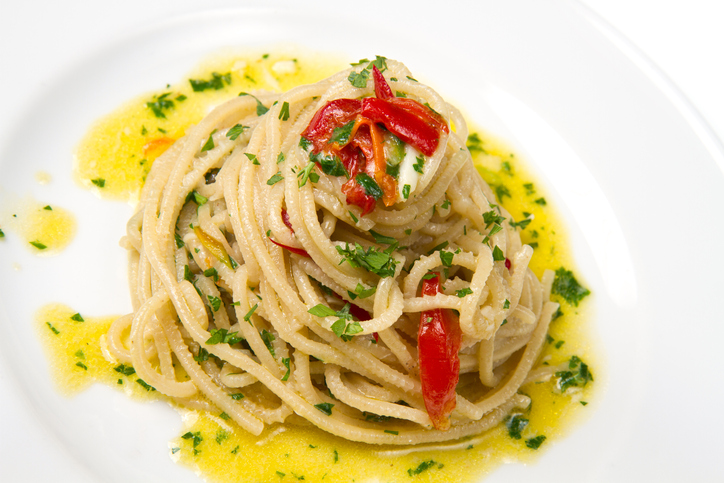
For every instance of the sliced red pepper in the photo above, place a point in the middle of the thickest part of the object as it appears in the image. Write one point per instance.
(298, 251)
(335, 113)
(423, 112)
(409, 120)
(438, 343)
(382, 88)
(285, 219)
(357, 196)
(403, 124)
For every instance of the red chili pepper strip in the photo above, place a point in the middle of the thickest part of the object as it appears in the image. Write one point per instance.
(298, 251)
(438, 344)
(357, 196)
(405, 125)
(382, 88)
(335, 113)
(423, 112)
(285, 219)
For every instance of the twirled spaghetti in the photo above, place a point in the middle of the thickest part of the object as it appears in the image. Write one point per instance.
(261, 289)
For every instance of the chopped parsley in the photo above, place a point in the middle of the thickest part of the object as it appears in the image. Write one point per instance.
(341, 135)
(100, 182)
(38, 245)
(234, 132)
(372, 260)
(307, 173)
(222, 435)
(305, 143)
(498, 255)
(388, 240)
(209, 145)
(474, 143)
(344, 327)
(516, 424)
(145, 385)
(252, 158)
(361, 292)
(215, 302)
(534, 443)
(501, 191)
(406, 191)
(196, 198)
(522, 224)
(160, 104)
(326, 408)
(195, 437)
(125, 370)
(284, 111)
(221, 336)
(491, 217)
(48, 207)
(331, 165)
(81, 365)
(446, 258)
(77, 317)
(216, 82)
(285, 361)
(541, 201)
(425, 465)
(260, 108)
(212, 273)
(53, 329)
(419, 165)
(566, 285)
(578, 375)
(268, 338)
(248, 315)
(529, 188)
(370, 185)
(463, 292)
(179, 240)
(359, 79)
(275, 179)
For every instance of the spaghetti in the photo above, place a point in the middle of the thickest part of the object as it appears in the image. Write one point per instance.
(279, 272)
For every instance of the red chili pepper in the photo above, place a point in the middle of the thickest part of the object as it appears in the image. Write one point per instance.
(357, 196)
(298, 251)
(285, 219)
(382, 88)
(405, 125)
(335, 113)
(423, 112)
(438, 343)
(508, 264)
(409, 120)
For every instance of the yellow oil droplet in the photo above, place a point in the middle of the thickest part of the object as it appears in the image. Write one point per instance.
(45, 229)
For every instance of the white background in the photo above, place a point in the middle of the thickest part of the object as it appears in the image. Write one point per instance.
(684, 39)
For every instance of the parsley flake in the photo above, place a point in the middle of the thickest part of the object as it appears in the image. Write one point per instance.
(566, 285)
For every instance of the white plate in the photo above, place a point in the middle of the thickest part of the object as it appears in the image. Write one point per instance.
(637, 182)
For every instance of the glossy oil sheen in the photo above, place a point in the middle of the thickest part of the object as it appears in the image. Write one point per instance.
(113, 150)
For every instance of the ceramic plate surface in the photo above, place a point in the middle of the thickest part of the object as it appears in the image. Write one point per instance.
(638, 181)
